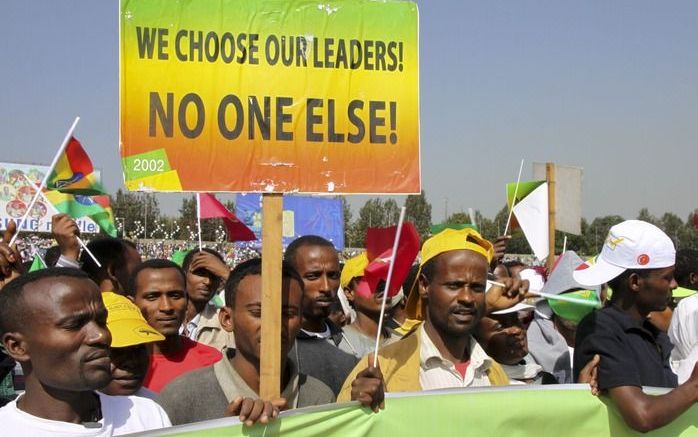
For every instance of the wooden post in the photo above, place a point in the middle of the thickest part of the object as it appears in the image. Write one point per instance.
(550, 177)
(272, 252)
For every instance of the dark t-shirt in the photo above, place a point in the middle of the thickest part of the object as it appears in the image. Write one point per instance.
(632, 353)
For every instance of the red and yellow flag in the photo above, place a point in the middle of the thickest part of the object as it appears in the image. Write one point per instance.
(74, 173)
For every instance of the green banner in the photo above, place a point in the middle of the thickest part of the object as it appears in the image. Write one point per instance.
(568, 410)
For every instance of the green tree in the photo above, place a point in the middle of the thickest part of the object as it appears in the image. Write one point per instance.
(418, 211)
(135, 211)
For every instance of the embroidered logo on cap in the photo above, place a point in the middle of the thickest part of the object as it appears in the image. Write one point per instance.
(643, 259)
(613, 242)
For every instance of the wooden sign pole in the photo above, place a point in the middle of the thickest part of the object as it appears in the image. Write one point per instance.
(550, 177)
(272, 253)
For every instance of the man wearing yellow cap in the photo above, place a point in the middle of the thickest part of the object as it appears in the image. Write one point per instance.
(441, 352)
(360, 336)
(130, 358)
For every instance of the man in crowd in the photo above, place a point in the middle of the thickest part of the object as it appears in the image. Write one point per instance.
(157, 287)
(442, 352)
(53, 322)
(118, 258)
(637, 261)
(316, 350)
(683, 331)
(231, 386)
(360, 336)
(130, 335)
(205, 272)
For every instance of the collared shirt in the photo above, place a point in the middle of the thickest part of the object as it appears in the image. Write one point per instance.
(437, 372)
(233, 385)
(633, 353)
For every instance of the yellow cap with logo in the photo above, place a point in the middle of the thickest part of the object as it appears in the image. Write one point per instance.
(126, 323)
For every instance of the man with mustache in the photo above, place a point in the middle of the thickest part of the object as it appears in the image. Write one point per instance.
(53, 322)
(231, 386)
(441, 352)
(316, 350)
(157, 287)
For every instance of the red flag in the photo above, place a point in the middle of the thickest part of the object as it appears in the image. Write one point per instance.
(377, 269)
(695, 220)
(212, 208)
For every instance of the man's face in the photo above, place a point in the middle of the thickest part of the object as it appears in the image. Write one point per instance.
(504, 338)
(161, 297)
(67, 339)
(370, 305)
(456, 294)
(655, 289)
(132, 259)
(128, 368)
(247, 315)
(319, 268)
(202, 284)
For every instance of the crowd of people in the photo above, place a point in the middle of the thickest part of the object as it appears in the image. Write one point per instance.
(138, 341)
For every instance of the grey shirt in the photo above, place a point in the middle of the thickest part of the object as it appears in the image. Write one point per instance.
(358, 344)
(204, 394)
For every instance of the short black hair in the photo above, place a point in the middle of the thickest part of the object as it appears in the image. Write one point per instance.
(686, 263)
(254, 267)
(13, 309)
(151, 264)
(306, 240)
(190, 256)
(616, 284)
(111, 252)
(51, 256)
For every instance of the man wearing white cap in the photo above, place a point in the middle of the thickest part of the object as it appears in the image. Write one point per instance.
(637, 261)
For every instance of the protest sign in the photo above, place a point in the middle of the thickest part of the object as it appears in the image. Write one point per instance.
(268, 96)
(16, 194)
(505, 411)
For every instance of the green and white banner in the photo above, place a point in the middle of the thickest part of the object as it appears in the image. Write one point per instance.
(568, 410)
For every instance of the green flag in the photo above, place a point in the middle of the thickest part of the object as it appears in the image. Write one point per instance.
(37, 264)
(178, 256)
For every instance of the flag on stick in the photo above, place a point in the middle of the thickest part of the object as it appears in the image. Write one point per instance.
(37, 264)
(74, 172)
(380, 241)
(530, 208)
(210, 207)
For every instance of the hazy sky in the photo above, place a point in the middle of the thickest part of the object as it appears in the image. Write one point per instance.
(608, 86)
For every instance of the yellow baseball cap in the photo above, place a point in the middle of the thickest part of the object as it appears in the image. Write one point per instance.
(456, 239)
(126, 323)
(353, 268)
(446, 241)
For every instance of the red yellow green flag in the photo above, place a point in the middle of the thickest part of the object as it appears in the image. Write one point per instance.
(74, 173)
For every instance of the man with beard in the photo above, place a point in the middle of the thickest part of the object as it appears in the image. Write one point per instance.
(231, 386)
(157, 287)
(316, 350)
(441, 353)
(637, 261)
(53, 322)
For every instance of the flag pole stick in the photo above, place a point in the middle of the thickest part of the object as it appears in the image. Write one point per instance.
(198, 216)
(513, 201)
(564, 244)
(82, 243)
(393, 256)
(45, 179)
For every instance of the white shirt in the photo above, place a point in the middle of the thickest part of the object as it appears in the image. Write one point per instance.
(120, 415)
(437, 372)
(324, 335)
(683, 333)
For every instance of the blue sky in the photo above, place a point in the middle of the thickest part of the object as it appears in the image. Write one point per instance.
(608, 86)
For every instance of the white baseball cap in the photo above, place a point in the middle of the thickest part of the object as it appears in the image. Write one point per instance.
(632, 244)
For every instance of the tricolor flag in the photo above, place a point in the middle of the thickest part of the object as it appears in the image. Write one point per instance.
(210, 207)
(97, 208)
(531, 211)
(379, 249)
(74, 173)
